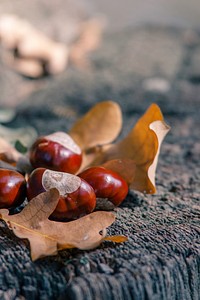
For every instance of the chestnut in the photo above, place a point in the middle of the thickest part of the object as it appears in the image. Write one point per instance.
(12, 188)
(77, 197)
(106, 184)
(57, 152)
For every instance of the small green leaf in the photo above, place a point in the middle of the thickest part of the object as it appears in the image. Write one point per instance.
(20, 147)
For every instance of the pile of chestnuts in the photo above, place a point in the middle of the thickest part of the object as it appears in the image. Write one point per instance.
(55, 159)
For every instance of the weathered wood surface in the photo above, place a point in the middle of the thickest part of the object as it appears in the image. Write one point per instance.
(161, 260)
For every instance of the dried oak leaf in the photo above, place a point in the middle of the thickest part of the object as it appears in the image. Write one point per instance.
(100, 126)
(136, 156)
(47, 237)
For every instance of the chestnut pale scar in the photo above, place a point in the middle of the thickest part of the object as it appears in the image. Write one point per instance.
(65, 183)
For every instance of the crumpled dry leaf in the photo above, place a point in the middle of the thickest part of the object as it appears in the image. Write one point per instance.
(33, 47)
(7, 152)
(100, 126)
(27, 67)
(12, 159)
(34, 54)
(136, 156)
(47, 237)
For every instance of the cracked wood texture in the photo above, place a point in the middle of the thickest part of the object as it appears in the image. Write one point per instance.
(161, 259)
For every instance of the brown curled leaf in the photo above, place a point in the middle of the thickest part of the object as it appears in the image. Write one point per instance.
(100, 126)
(126, 168)
(7, 152)
(145, 178)
(47, 237)
(138, 151)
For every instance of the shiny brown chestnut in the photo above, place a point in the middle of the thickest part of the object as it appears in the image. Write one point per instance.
(106, 184)
(12, 188)
(57, 152)
(77, 197)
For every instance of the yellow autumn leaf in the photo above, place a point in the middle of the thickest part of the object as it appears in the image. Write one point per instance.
(135, 157)
(101, 125)
(116, 238)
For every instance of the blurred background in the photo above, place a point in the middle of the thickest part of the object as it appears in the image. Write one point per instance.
(68, 22)
(124, 13)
